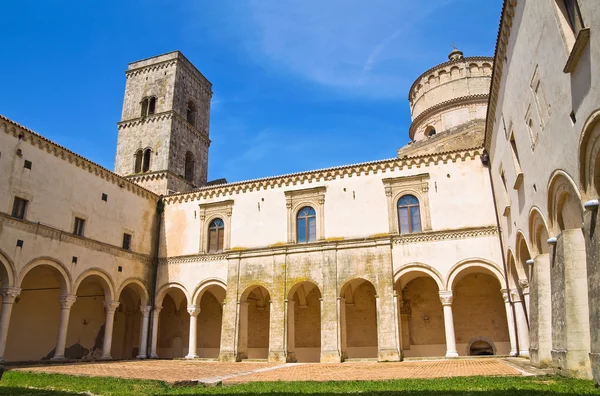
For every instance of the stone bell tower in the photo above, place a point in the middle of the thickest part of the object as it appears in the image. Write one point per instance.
(164, 129)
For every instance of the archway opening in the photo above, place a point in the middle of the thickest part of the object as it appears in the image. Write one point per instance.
(35, 317)
(481, 348)
(128, 323)
(478, 309)
(359, 320)
(304, 323)
(174, 325)
(208, 333)
(421, 316)
(255, 315)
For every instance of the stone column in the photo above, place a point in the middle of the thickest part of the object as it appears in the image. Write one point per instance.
(242, 349)
(446, 299)
(343, 340)
(524, 285)
(522, 328)
(540, 318)
(193, 310)
(142, 354)
(276, 331)
(66, 302)
(397, 322)
(511, 323)
(8, 299)
(153, 344)
(111, 307)
(291, 332)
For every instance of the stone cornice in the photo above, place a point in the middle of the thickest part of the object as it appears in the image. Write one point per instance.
(156, 175)
(165, 115)
(508, 12)
(304, 178)
(50, 232)
(354, 243)
(429, 236)
(65, 154)
(469, 59)
(452, 103)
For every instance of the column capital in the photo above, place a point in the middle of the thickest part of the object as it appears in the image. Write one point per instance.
(524, 285)
(446, 297)
(111, 306)
(145, 310)
(157, 310)
(505, 295)
(515, 296)
(9, 294)
(67, 300)
(193, 309)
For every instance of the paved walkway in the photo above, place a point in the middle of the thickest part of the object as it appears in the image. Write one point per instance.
(182, 371)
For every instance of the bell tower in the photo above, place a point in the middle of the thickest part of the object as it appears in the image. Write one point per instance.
(164, 129)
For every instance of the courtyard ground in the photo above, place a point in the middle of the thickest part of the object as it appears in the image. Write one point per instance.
(467, 377)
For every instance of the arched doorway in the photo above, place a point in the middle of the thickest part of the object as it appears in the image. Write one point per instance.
(173, 324)
(128, 330)
(209, 320)
(479, 347)
(36, 313)
(421, 317)
(359, 320)
(254, 322)
(478, 308)
(304, 323)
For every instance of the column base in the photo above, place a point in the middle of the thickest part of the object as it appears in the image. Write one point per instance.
(524, 353)
(388, 355)
(58, 358)
(153, 356)
(191, 356)
(107, 357)
(451, 354)
(513, 353)
(227, 357)
(141, 357)
(277, 357)
(330, 357)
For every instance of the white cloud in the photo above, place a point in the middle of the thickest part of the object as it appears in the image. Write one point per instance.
(355, 46)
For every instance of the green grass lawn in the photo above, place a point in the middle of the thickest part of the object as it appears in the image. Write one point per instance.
(20, 383)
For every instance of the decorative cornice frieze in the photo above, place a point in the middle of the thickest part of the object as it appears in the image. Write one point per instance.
(304, 178)
(65, 154)
(452, 103)
(150, 68)
(47, 231)
(193, 258)
(506, 20)
(163, 116)
(429, 236)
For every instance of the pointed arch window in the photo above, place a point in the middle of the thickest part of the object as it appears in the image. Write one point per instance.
(306, 225)
(138, 161)
(409, 215)
(148, 106)
(146, 162)
(189, 166)
(191, 112)
(216, 232)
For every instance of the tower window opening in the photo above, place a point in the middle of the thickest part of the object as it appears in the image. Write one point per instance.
(573, 15)
(148, 106)
(138, 161)
(146, 164)
(152, 105)
(430, 131)
(189, 166)
(191, 112)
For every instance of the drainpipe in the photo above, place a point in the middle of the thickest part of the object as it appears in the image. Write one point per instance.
(485, 160)
(160, 208)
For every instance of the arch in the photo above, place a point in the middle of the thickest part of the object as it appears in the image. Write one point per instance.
(144, 103)
(454, 72)
(564, 202)
(139, 286)
(474, 69)
(152, 105)
(139, 157)
(306, 224)
(420, 268)
(304, 322)
(359, 319)
(254, 323)
(512, 271)
(589, 160)
(146, 160)
(109, 289)
(538, 231)
(463, 268)
(430, 131)
(216, 235)
(409, 214)
(522, 255)
(262, 289)
(65, 280)
(164, 289)
(204, 286)
(9, 270)
(191, 112)
(189, 166)
(480, 339)
(298, 286)
(353, 282)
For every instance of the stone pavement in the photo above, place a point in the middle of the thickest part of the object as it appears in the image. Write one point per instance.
(190, 372)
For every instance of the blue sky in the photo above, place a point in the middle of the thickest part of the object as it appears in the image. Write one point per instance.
(298, 84)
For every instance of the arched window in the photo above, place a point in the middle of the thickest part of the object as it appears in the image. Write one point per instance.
(145, 103)
(191, 112)
(146, 164)
(216, 231)
(430, 131)
(138, 161)
(409, 217)
(189, 166)
(152, 105)
(306, 225)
